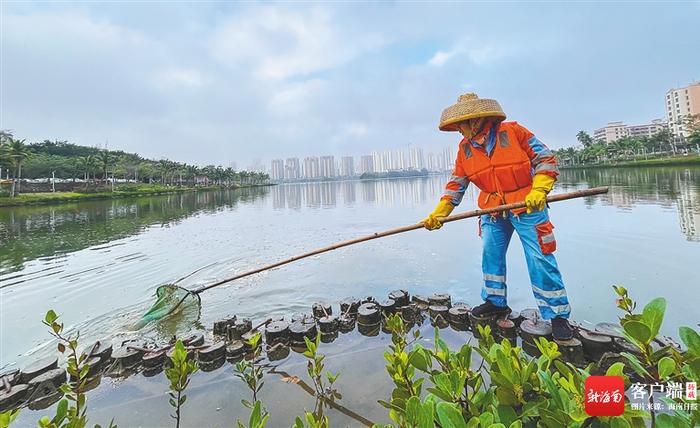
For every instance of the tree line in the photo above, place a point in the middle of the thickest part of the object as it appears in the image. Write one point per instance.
(663, 143)
(68, 161)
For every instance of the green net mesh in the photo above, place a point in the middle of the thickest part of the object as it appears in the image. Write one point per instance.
(170, 299)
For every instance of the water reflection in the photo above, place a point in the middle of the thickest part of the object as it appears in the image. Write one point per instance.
(29, 233)
(327, 194)
(672, 188)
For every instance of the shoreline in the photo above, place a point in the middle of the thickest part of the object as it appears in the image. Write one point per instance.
(45, 198)
(675, 161)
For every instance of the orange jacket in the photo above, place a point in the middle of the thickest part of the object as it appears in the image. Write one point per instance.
(502, 168)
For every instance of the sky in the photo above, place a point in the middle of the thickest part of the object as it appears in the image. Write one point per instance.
(221, 82)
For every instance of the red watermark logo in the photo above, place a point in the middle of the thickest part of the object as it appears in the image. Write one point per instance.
(605, 395)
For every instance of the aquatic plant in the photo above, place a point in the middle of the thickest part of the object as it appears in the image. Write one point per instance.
(71, 410)
(666, 364)
(251, 372)
(179, 375)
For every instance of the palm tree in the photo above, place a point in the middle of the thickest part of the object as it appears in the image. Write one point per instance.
(104, 159)
(584, 138)
(16, 152)
(86, 163)
(5, 136)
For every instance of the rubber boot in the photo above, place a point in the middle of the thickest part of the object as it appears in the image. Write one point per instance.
(488, 309)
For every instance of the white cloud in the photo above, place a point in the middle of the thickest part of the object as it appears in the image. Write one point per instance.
(278, 43)
(441, 57)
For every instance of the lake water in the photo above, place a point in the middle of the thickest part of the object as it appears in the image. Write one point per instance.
(98, 264)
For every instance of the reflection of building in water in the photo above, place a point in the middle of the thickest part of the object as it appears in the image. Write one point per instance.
(689, 212)
(328, 190)
(278, 197)
(348, 191)
(293, 193)
(312, 193)
(670, 188)
(369, 192)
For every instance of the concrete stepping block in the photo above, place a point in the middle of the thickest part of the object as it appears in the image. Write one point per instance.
(401, 297)
(101, 349)
(277, 331)
(440, 299)
(368, 314)
(594, 345)
(278, 351)
(320, 309)
(328, 324)
(154, 359)
(212, 352)
(349, 305)
(239, 327)
(46, 383)
(299, 329)
(572, 351)
(221, 326)
(194, 339)
(14, 397)
(36, 368)
(235, 349)
(459, 315)
(530, 330)
(387, 306)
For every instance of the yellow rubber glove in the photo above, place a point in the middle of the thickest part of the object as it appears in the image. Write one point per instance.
(537, 198)
(434, 220)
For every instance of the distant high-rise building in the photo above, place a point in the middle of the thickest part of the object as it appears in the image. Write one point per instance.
(680, 104)
(327, 166)
(292, 169)
(312, 168)
(347, 166)
(277, 169)
(647, 129)
(416, 158)
(613, 131)
(367, 164)
(449, 155)
(256, 166)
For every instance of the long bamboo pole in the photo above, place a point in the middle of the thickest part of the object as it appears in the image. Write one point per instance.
(462, 216)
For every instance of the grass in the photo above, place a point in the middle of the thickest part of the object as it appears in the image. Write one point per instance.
(122, 191)
(670, 161)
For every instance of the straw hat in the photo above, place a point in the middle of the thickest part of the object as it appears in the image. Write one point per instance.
(469, 106)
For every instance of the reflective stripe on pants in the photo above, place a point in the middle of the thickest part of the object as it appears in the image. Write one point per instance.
(545, 278)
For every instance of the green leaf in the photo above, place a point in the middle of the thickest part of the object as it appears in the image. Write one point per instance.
(653, 315)
(636, 365)
(506, 414)
(413, 408)
(670, 421)
(616, 369)
(691, 339)
(255, 415)
(619, 422)
(50, 316)
(666, 366)
(638, 331)
(516, 424)
(450, 416)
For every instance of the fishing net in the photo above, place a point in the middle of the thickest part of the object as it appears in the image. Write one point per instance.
(170, 299)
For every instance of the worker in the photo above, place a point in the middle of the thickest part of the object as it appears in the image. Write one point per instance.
(508, 164)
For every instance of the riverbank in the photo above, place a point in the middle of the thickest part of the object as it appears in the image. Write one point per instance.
(128, 191)
(674, 161)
